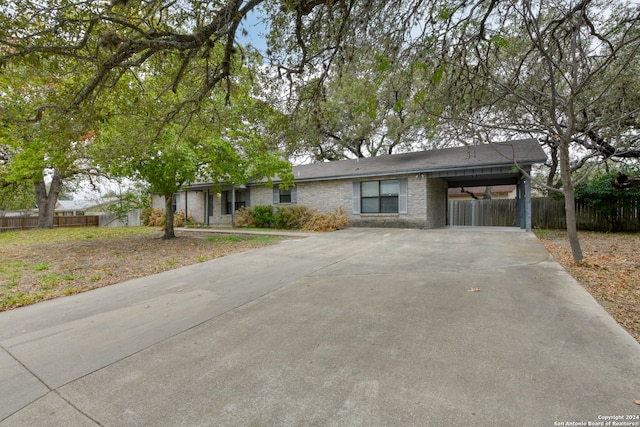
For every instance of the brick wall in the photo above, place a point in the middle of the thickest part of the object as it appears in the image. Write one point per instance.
(157, 202)
(261, 195)
(326, 196)
(426, 202)
(436, 202)
(195, 203)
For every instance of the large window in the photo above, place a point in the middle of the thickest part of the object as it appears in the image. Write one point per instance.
(379, 196)
(241, 201)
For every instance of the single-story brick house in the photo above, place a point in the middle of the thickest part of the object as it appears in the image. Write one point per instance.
(400, 190)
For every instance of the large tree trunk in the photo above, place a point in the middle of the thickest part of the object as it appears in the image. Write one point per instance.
(569, 202)
(169, 232)
(47, 200)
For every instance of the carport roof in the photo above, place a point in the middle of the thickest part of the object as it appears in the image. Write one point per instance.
(523, 152)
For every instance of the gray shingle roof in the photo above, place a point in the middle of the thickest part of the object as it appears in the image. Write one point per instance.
(523, 152)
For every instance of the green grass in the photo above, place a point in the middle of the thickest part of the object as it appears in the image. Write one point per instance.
(41, 267)
(63, 235)
(242, 238)
(225, 239)
(172, 263)
(17, 299)
(11, 272)
(49, 281)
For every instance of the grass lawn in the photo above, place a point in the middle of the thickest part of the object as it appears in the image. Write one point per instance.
(37, 265)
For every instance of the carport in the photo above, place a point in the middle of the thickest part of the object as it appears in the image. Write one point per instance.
(506, 163)
(496, 175)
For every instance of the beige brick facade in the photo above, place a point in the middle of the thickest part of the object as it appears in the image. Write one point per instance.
(422, 187)
(426, 202)
(326, 196)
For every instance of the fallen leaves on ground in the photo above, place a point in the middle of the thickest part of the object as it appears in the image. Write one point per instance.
(610, 271)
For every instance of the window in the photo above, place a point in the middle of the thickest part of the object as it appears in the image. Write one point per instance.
(175, 202)
(384, 196)
(241, 201)
(380, 196)
(284, 196)
(210, 200)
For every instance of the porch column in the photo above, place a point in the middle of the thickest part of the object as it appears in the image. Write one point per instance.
(233, 205)
(186, 206)
(206, 207)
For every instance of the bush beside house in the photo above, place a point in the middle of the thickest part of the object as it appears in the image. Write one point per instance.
(293, 217)
(156, 218)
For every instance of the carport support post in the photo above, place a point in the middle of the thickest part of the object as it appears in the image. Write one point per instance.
(527, 202)
(520, 205)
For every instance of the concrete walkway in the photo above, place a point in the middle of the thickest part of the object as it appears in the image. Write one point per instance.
(362, 327)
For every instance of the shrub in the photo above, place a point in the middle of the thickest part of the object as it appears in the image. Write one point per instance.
(600, 193)
(145, 214)
(156, 218)
(178, 218)
(293, 217)
(263, 215)
(331, 221)
(244, 218)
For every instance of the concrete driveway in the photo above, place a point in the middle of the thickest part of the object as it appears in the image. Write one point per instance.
(362, 327)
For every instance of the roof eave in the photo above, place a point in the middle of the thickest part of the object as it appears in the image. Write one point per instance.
(410, 172)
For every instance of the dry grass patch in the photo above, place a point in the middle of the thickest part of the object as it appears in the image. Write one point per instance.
(37, 265)
(610, 271)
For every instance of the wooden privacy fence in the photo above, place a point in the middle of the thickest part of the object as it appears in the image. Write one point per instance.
(28, 222)
(546, 213)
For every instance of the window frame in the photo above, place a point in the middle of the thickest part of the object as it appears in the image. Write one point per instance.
(380, 197)
(284, 196)
(280, 195)
(403, 197)
(240, 201)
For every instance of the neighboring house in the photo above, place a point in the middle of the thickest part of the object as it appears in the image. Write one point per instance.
(82, 207)
(494, 192)
(401, 190)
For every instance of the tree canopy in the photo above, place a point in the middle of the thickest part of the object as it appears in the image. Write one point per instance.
(359, 78)
(563, 72)
(46, 151)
